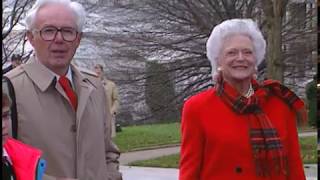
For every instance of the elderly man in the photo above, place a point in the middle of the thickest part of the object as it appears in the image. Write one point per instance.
(61, 110)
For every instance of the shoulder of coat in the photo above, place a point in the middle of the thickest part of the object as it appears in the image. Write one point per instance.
(109, 81)
(90, 76)
(16, 72)
(87, 72)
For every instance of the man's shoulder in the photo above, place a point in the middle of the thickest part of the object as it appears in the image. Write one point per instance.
(7, 69)
(108, 82)
(87, 72)
(90, 76)
(111, 82)
(15, 73)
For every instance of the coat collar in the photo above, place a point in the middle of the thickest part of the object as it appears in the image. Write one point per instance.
(39, 74)
(81, 79)
(43, 77)
(84, 88)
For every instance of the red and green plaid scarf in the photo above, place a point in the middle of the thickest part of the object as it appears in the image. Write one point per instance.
(268, 151)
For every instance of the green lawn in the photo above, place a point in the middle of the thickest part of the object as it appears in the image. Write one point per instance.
(308, 148)
(170, 161)
(143, 136)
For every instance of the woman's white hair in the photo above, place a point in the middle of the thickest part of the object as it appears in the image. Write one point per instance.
(75, 7)
(231, 27)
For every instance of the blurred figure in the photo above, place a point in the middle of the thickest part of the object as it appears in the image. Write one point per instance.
(240, 129)
(60, 109)
(311, 93)
(16, 60)
(111, 91)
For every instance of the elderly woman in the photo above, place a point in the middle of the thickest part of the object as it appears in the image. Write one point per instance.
(240, 129)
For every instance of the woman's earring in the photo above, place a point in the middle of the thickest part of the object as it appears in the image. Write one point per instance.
(219, 69)
(255, 74)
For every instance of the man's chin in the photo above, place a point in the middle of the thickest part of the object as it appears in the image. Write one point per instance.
(59, 59)
(60, 62)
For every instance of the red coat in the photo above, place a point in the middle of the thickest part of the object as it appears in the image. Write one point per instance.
(215, 140)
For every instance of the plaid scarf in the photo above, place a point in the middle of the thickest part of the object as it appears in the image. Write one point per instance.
(269, 154)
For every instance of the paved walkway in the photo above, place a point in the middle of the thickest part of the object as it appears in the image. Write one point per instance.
(147, 173)
(307, 134)
(311, 171)
(129, 157)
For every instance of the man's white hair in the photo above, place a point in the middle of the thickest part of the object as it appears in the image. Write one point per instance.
(75, 7)
(234, 27)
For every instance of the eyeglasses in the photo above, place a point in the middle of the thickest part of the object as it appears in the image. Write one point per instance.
(49, 33)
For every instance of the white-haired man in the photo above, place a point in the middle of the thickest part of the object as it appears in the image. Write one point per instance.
(60, 109)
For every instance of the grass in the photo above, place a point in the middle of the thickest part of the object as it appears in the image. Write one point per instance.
(170, 161)
(308, 151)
(145, 136)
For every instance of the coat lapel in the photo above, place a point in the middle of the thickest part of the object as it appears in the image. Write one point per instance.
(83, 89)
(39, 74)
(42, 76)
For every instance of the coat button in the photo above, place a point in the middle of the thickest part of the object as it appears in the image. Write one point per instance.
(238, 169)
(73, 128)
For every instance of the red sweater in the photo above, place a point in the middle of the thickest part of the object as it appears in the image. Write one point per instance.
(215, 140)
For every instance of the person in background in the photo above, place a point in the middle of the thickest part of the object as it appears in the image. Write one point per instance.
(111, 91)
(240, 129)
(19, 161)
(16, 60)
(60, 109)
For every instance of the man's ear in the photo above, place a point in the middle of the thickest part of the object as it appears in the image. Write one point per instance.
(30, 37)
(80, 35)
(79, 39)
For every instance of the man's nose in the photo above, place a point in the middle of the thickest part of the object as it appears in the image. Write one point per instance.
(58, 37)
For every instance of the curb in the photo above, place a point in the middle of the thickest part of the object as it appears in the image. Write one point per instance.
(153, 147)
(308, 130)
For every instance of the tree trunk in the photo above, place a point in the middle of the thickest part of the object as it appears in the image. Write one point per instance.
(274, 52)
(274, 11)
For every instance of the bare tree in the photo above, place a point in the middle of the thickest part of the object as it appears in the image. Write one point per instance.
(129, 33)
(274, 13)
(172, 33)
(288, 27)
(13, 38)
(175, 32)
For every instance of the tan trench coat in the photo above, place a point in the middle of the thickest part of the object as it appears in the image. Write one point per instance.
(75, 144)
(111, 91)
